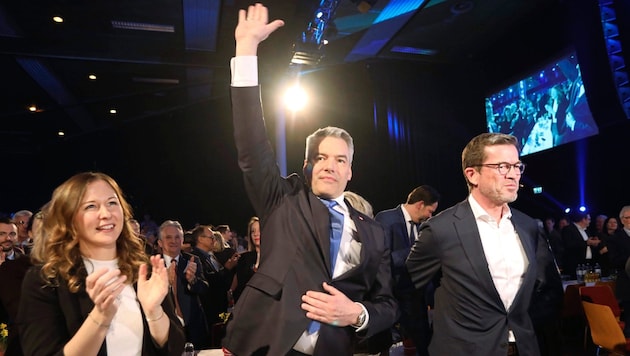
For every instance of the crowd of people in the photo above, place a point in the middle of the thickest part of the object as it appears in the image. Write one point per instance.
(545, 118)
(83, 277)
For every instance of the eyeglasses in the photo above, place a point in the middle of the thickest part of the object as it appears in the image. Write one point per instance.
(11, 234)
(504, 168)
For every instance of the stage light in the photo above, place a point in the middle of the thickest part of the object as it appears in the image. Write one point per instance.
(295, 98)
(567, 210)
(537, 190)
(582, 208)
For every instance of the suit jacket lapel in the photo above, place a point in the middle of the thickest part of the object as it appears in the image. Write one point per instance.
(361, 230)
(321, 225)
(528, 242)
(470, 239)
(402, 227)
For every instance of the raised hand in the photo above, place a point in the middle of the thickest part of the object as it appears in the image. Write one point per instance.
(191, 269)
(103, 287)
(151, 292)
(253, 27)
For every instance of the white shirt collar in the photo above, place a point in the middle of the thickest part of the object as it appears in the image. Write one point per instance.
(481, 213)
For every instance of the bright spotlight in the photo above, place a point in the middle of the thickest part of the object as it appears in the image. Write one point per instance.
(582, 208)
(567, 210)
(295, 98)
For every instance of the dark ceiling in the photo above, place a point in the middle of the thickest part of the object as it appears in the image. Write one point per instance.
(183, 60)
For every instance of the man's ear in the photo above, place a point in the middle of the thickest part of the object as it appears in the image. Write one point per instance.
(307, 170)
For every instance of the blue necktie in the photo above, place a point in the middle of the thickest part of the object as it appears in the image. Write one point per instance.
(336, 229)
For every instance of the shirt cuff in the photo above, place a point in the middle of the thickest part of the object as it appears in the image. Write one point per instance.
(244, 71)
(367, 318)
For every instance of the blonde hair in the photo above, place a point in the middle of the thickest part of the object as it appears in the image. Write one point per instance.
(359, 203)
(250, 240)
(61, 253)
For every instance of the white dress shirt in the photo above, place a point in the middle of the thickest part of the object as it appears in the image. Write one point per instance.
(348, 257)
(504, 252)
(125, 333)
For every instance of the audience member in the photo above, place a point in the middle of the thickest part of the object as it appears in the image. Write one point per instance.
(359, 203)
(316, 301)
(93, 294)
(249, 261)
(219, 278)
(611, 225)
(13, 267)
(21, 219)
(579, 248)
(618, 255)
(187, 283)
(492, 258)
(401, 228)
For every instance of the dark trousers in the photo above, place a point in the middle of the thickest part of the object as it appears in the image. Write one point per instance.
(414, 319)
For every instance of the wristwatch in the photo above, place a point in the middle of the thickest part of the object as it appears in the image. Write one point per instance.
(360, 319)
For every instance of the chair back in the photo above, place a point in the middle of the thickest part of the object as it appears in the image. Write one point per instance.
(601, 294)
(571, 303)
(605, 330)
(611, 282)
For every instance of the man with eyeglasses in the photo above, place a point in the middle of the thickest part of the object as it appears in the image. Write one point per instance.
(619, 255)
(219, 277)
(21, 219)
(492, 258)
(13, 267)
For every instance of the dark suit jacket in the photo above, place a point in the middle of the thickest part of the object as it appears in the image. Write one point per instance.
(575, 249)
(214, 300)
(244, 271)
(469, 316)
(393, 221)
(295, 254)
(190, 303)
(50, 316)
(618, 255)
(11, 275)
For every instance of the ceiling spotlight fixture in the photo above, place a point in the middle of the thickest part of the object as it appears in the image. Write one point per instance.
(32, 108)
(60, 133)
(57, 19)
(92, 77)
(140, 26)
(113, 111)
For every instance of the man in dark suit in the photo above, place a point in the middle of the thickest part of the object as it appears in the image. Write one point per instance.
(306, 297)
(490, 257)
(219, 278)
(579, 248)
(619, 256)
(401, 228)
(187, 283)
(13, 266)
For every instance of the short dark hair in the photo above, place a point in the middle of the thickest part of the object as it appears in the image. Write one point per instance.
(577, 215)
(425, 193)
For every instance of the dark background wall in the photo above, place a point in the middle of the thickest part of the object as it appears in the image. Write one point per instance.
(410, 122)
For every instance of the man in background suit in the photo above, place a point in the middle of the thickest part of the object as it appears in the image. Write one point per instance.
(401, 228)
(187, 283)
(579, 248)
(619, 256)
(492, 259)
(13, 266)
(310, 298)
(219, 278)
